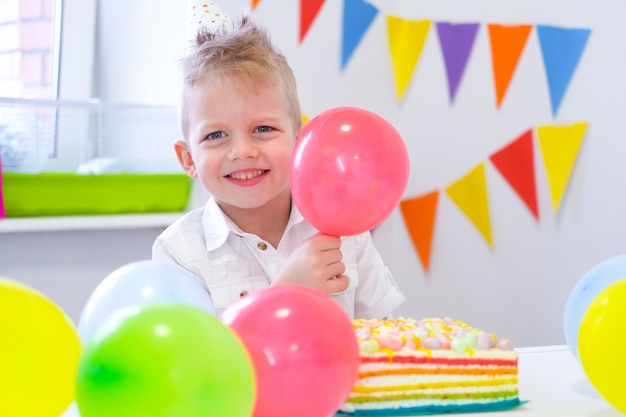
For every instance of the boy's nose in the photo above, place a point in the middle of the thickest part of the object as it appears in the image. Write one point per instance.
(242, 147)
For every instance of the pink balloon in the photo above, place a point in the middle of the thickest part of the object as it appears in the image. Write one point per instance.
(349, 170)
(303, 348)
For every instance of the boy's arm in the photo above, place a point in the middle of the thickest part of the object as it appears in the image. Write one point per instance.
(377, 294)
(316, 263)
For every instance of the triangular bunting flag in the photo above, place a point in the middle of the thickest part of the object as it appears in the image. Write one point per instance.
(254, 4)
(559, 147)
(516, 163)
(456, 44)
(308, 12)
(406, 40)
(561, 49)
(470, 194)
(357, 18)
(507, 44)
(419, 217)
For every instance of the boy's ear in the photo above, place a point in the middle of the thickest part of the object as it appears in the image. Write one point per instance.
(185, 159)
(299, 131)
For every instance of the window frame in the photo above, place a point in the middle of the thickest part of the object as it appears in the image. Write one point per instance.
(75, 66)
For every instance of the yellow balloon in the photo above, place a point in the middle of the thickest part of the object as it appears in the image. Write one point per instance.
(39, 353)
(601, 343)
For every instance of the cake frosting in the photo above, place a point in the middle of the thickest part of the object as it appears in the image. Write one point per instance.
(429, 366)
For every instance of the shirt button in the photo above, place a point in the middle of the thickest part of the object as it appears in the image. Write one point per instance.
(243, 294)
(262, 245)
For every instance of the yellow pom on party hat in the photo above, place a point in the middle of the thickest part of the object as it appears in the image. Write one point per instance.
(204, 14)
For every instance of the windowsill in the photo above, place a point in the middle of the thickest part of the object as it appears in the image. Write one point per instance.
(85, 223)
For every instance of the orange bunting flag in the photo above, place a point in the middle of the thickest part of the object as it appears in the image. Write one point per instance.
(308, 12)
(406, 41)
(507, 44)
(559, 147)
(515, 162)
(419, 217)
(254, 4)
(470, 194)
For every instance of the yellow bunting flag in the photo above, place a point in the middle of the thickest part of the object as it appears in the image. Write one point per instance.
(419, 217)
(559, 147)
(470, 194)
(406, 41)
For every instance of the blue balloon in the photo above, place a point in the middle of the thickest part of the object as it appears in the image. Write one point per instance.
(585, 291)
(141, 283)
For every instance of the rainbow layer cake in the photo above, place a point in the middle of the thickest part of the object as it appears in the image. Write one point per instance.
(431, 366)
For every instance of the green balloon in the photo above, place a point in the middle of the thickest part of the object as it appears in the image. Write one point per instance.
(164, 360)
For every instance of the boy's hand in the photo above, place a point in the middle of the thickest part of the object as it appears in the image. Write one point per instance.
(316, 263)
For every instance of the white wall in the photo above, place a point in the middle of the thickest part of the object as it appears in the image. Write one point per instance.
(66, 266)
(519, 287)
(137, 46)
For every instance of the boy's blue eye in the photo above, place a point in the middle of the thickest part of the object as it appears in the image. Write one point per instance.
(215, 135)
(262, 129)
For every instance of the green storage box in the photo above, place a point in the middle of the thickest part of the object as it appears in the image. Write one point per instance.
(68, 194)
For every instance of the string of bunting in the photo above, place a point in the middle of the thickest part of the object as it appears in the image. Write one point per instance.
(559, 144)
(561, 47)
(561, 50)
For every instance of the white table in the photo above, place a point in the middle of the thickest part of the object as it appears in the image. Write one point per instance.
(554, 383)
(551, 380)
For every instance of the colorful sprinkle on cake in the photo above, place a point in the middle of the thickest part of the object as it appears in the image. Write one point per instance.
(430, 366)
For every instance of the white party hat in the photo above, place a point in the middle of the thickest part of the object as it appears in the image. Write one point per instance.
(204, 14)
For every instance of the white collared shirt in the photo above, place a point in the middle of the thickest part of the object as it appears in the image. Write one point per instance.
(231, 263)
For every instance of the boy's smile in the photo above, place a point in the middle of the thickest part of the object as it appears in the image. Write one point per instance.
(247, 177)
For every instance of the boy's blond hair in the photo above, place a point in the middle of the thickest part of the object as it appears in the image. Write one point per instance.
(239, 50)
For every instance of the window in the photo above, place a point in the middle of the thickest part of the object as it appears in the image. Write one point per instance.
(49, 120)
(29, 48)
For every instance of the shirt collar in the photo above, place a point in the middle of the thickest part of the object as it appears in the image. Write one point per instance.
(295, 217)
(217, 226)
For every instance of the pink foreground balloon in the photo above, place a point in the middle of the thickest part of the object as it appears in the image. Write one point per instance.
(303, 348)
(349, 170)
